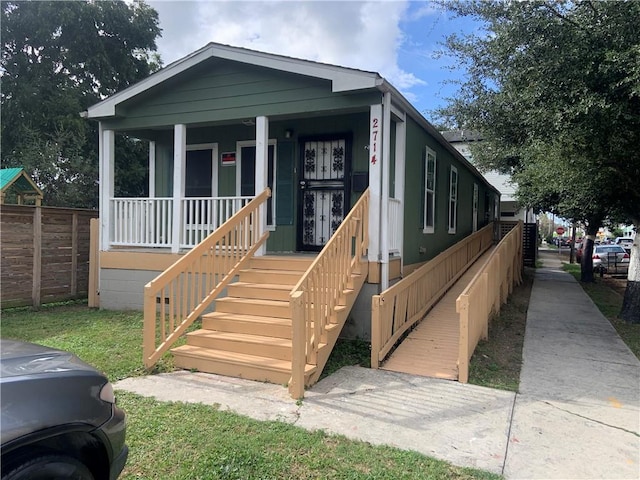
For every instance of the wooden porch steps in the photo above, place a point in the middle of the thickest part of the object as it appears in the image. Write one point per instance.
(232, 364)
(249, 334)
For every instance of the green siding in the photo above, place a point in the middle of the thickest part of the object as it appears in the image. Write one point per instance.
(164, 169)
(219, 90)
(434, 243)
(285, 183)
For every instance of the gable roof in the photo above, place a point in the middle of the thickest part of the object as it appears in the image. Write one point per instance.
(20, 181)
(342, 78)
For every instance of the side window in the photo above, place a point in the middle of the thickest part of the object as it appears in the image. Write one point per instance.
(453, 199)
(428, 225)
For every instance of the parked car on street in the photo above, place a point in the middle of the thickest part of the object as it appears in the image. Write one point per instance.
(625, 242)
(610, 259)
(59, 417)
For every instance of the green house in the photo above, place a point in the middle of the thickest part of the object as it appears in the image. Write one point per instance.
(225, 123)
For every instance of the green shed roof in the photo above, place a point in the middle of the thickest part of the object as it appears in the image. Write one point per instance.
(18, 179)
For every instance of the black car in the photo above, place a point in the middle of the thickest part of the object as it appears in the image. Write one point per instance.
(59, 417)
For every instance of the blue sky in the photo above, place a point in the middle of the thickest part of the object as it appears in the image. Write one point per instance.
(395, 38)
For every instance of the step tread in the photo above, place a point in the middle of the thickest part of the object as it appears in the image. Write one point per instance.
(242, 337)
(266, 286)
(254, 301)
(237, 358)
(248, 318)
(273, 271)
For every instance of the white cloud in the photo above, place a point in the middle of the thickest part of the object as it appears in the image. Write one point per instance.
(365, 35)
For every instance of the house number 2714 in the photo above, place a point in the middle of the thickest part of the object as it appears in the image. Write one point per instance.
(374, 140)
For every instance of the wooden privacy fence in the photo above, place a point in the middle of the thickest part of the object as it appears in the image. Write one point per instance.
(45, 254)
(403, 305)
(180, 294)
(485, 294)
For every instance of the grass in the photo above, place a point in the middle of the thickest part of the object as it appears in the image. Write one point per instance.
(108, 339)
(496, 362)
(194, 441)
(609, 301)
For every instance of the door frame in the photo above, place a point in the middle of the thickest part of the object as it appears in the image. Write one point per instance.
(348, 161)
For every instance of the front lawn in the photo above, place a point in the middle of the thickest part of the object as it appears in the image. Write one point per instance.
(193, 441)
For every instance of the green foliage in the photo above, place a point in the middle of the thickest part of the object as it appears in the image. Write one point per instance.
(178, 441)
(554, 87)
(59, 58)
(346, 353)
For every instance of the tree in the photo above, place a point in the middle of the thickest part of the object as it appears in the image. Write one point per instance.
(59, 58)
(554, 86)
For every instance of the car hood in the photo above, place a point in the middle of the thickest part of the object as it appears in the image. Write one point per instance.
(20, 358)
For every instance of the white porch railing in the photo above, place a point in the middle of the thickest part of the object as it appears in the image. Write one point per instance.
(142, 222)
(148, 222)
(202, 215)
(395, 231)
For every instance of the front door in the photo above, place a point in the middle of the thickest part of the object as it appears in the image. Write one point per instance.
(324, 192)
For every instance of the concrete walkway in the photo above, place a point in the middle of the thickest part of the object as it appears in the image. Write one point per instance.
(577, 415)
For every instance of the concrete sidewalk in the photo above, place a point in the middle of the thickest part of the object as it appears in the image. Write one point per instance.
(577, 415)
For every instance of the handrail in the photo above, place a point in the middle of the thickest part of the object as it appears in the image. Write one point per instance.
(403, 305)
(179, 295)
(484, 295)
(319, 291)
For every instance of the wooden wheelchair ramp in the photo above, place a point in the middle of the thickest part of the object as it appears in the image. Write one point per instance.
(431, 348)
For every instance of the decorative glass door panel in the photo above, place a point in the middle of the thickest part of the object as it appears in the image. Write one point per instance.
(323, 190)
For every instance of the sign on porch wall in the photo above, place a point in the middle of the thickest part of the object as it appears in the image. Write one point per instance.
(228, 159)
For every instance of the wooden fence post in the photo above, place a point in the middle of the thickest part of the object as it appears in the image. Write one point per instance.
(298, 343)
(94, 263)
(376, 336)
(37, 257)
(74, 253)
(462, 307)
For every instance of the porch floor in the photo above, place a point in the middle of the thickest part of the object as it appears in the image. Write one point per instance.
(431, 349)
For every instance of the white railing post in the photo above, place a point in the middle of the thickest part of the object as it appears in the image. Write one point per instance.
(262, 161)
(375, 176)
(179, 155)
(401, 132)
(384, 194)
(107, 162)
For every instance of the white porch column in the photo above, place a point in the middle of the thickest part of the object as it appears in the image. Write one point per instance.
(179, 156)
(375, 178)
(384, 194)
(152, 169)
(107, 161)
(401, 141)
(262, 167)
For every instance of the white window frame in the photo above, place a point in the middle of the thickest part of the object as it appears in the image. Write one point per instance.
(252, 143)
(214, 165)
(475, 207)
(453, 199)
(429, 157)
